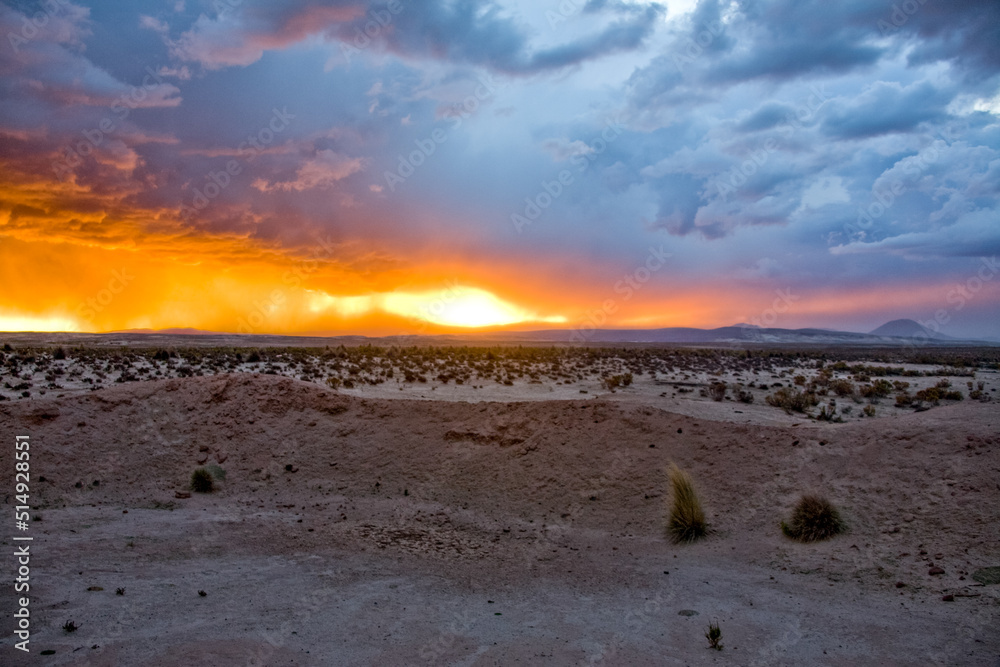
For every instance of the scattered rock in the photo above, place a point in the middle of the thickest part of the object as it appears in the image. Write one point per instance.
(182, 494)
(900, 584)
(202, 457)
(935, 571)
(948, 598)
(687, 612)
(907, 518)
(95, 588)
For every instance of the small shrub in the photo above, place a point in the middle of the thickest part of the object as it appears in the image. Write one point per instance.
(814, 518)
(745, 396)
(717, 390)
(70, 626)
(714, 636)
(869, 411)
(201, 481)
(612, 382)
(792, 400)
(59, 354)
(687, 519)
(827, 413)
(842, 387)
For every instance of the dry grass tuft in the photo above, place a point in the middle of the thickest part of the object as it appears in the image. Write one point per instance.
(687, 519)
(813, 519)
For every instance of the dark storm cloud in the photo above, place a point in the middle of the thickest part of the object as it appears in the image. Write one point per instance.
(888, 107)
(474, 32)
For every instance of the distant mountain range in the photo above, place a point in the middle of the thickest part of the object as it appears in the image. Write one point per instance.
(896, 332)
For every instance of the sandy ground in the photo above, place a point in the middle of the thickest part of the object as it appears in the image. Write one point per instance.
(359, 530)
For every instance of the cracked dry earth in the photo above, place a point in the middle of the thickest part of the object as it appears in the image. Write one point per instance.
(351, 531)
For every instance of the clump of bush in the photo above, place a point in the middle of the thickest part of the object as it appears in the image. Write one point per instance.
(842, 387)
(612, 382)
(717, 390)
(792, 400)
(939, 393)
(201, 481)
(814, 518)
(876, 390)
(687, 519)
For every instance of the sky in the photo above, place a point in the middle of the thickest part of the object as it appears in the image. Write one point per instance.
(406, 167)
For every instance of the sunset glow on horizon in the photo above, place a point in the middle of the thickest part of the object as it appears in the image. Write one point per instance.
(383, 168)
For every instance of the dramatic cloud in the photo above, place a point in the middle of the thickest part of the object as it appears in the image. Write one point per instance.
(330, 153)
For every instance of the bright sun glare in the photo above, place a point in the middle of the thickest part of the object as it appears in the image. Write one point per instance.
(30, 323)
(455, 307)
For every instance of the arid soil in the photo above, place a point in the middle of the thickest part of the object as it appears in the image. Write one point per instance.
(352, 531)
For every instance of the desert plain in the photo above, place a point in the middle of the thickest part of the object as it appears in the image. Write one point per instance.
(502, 505)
